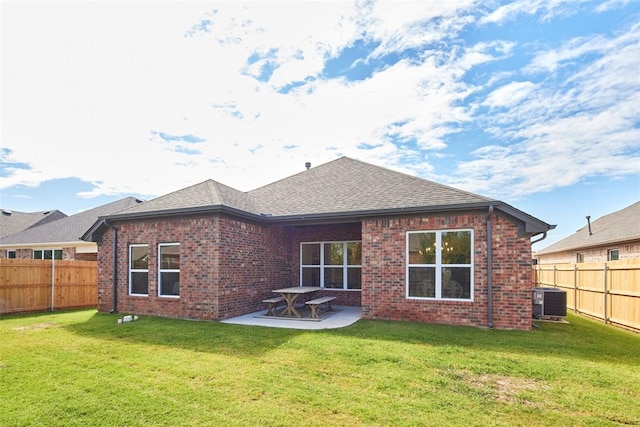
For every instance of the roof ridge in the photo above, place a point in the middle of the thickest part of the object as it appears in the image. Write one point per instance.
(299, 173)
(214, 190)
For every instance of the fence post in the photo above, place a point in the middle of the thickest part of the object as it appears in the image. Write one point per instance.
(605, 292)
(575, 288)
(53, 281)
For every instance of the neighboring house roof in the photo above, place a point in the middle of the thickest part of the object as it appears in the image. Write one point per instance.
(616, 227)
(341, 189)
(67, 229)
(13, 221)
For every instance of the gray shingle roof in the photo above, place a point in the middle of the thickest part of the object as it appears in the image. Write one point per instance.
(66, 229)
(620, 226)
(13, 221)
(347, 185)
(206, 194)
(341, 186)
(336, 189)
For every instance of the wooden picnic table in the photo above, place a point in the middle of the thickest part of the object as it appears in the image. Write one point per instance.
(291, 294)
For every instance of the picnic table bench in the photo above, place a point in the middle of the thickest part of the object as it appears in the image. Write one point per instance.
(272, 304)
(315, 304)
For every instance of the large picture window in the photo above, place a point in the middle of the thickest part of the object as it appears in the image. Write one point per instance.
(139, 269)
(332, 265)
(169, 269)
(440, 264)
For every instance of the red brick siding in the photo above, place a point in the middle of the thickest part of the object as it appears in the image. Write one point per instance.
(384, 263)
(253, 260)
(227, 266)
(197, 264)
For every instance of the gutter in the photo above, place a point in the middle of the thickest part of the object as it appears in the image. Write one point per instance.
(114, 256)
(544, 236)
(489, 269)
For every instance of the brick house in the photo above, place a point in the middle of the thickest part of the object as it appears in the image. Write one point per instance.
(400, 247)
(612, 237)
(59, 237)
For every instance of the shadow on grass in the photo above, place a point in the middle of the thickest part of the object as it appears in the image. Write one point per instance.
(200, 336)
(582, 338)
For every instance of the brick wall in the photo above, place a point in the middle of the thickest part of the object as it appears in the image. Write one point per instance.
(252, 261)
(196, 236)
(228, 266)
(384, 273)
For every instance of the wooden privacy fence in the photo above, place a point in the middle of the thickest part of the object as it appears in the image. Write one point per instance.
(38, 285)
(609, 291)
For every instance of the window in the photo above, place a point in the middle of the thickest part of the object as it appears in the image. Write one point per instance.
(11, 254)
(332, 265)
(613, 254)
(169, 269)
(138, 269)
(47, 254)
(440, 264)
(580, 257)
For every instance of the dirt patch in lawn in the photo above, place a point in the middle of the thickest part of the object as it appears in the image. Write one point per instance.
(501, 387)
(32, 327)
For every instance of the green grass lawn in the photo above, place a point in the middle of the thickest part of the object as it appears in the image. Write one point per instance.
(82, 368)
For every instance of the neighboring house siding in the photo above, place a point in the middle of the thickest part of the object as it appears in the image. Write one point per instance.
(384, 277)
(68, 254)
(627, 250)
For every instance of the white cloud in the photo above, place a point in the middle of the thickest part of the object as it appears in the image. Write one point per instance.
(561, 135)
(90, 88)
(547, 9)
(509, 95)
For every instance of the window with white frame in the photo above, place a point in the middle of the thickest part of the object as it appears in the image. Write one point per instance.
(11, 254)
(332, 265)
(47, 254)
(440, 264)
(613, 254)
(139, 269)
(169, 269)
(580, 257)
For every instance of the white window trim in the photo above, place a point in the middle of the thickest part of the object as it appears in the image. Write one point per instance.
(53, 253)
(609, 254)
(345, 266)
(138, 270)
(15, 253)
(438, 266)
(166, 270)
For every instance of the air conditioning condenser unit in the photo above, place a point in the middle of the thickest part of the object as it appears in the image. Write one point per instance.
(549, 303)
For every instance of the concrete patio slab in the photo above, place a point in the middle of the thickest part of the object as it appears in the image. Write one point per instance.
(343, 316)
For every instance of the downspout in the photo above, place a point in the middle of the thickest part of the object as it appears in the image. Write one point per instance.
(489, 269)
(544, 236)
(114, 266)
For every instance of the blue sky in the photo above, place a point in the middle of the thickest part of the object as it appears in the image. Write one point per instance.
(532, 102)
